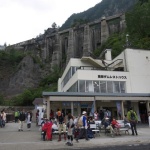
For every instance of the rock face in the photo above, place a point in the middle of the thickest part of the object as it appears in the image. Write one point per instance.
(27, 76)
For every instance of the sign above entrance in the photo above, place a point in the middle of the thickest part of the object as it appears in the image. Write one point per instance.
(112, 77)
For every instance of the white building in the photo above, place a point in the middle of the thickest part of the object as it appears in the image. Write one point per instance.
(110, 84)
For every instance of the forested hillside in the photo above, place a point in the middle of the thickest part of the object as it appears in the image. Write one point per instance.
(104, 8)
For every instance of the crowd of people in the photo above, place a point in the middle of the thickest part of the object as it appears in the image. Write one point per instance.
(21, 117)
(79, 127)
(71, 128)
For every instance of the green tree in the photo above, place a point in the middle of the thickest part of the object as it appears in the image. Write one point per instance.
(138, 20)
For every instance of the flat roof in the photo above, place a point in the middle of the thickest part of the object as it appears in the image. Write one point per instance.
(91, 94)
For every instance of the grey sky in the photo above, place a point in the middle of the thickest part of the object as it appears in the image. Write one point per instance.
(25, 19)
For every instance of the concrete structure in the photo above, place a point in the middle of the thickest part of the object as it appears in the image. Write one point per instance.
(115, 85)
(59, 46)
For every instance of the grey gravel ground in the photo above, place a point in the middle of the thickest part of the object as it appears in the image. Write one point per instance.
(11, 139)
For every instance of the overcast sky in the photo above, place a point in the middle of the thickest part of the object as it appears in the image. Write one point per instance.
(21, 20)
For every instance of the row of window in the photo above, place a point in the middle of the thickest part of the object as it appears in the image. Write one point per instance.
(72, 71)
(98, 86)
(69, 74)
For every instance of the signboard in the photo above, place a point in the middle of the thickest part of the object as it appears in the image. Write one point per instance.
(112, 77)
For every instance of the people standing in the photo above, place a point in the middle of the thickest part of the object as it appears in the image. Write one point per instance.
(29, 119)
(16, 116)
(95, 115)
(82, 128)
(37, 117)
(22, 118)
(61, 124)
(3, 118)
(51, 114)
(149, 118)
(101, 114)
(132, 117)
(70, 126)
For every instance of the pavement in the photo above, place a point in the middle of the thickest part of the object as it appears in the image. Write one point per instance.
(11, 139)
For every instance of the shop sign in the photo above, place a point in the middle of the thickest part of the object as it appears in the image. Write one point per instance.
(112, 77)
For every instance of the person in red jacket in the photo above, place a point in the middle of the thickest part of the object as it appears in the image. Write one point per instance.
(47, 128)
(116, 126)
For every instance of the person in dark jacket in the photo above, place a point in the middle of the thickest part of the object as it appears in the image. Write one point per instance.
(21, 119)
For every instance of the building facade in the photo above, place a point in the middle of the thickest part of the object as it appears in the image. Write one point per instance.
(113, 85)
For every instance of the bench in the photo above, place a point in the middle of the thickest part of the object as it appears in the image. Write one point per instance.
(95, 129)
(125, 128)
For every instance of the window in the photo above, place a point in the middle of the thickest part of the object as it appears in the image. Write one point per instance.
(109, 86)
(73, 88)
(116, 87)
(96, 86)
(122, 87)
(89, 86)
(103, 86)
(73, 71)
(82, 86)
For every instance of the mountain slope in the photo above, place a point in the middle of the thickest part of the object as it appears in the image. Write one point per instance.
(104, 8)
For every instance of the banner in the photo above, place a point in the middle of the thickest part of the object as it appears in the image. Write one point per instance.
(119, 110)
(92, 110)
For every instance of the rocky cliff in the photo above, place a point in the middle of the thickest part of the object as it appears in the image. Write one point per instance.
(27, 75)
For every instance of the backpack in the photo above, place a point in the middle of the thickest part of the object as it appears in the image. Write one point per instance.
(132, 116)
(80, 122)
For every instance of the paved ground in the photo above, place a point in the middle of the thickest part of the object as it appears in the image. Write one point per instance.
(11, 139)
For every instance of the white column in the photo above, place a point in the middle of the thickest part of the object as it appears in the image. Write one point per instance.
(48, 108)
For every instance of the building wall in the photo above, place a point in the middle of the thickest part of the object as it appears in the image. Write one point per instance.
(138, 65)
(136, 71)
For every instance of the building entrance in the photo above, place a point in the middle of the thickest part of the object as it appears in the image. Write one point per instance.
(143, 112)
